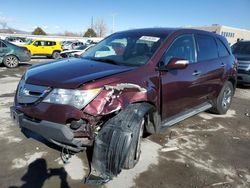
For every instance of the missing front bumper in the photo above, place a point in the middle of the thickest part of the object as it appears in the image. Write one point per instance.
(56, 133)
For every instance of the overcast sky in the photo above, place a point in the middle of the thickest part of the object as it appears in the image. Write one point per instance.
(59, 15)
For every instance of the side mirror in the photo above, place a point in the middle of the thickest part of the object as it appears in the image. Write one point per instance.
(174, 63)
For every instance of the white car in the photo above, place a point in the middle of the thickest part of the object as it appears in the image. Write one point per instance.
(75, 52)
(71, 45)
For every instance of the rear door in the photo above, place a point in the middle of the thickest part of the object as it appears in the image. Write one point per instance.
(3, 50)
(212, 67)
(181, 88)
(49, 47)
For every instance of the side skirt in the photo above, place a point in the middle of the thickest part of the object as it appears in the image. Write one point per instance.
(184, 115)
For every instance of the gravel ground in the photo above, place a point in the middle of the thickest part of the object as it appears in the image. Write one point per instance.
(203, 151)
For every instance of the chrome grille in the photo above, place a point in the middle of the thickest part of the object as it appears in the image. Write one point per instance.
(244, 65)
(28, 93)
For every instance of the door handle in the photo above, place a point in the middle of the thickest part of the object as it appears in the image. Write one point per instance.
(196, 73)
(222, 65)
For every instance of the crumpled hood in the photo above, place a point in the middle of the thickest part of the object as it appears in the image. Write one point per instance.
(70, 73)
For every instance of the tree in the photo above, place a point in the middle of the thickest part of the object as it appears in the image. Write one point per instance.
(101, 27)
(38, 31)
(90, 33)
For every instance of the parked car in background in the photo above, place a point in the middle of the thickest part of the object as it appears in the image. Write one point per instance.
(241, 50)
(17, 40)
(89, 41)
(11, 54)
(107, 99)
(70, 45)
(49, 48)
(76, 52)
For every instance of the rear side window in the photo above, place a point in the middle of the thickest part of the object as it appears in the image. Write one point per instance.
(206, 48)
(50, 43)
(47, 43)
(182, 47)
(223, 51)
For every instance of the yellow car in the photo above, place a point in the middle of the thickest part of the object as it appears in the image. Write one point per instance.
(45, 48)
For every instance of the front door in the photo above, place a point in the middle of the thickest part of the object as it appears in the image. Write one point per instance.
(180, 88)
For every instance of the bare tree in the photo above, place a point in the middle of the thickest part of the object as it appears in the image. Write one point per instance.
(101, 27)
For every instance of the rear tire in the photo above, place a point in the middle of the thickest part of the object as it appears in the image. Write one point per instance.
(11, 61)
(55, 55)
(223, 101)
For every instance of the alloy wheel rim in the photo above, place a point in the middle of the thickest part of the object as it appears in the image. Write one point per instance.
(11, 61)
(227, 96)
(56, 55)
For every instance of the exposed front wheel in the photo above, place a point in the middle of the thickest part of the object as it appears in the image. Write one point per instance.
(118, 144)
(11, 61)
(224, 99)
(134, 152)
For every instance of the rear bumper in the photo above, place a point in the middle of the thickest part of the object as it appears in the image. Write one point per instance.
(25, 57)
(56, 133)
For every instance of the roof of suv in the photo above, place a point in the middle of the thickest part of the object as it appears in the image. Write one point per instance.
(166, 30)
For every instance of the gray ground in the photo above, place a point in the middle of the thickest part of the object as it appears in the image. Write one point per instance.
(203, 151)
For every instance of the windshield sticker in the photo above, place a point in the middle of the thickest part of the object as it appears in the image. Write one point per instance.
(150, 38)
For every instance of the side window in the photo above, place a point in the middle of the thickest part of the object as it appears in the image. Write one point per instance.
(206, 48)
(37, 43)
(49, 43)
(43, 43)
(223, 51)
(183, 47)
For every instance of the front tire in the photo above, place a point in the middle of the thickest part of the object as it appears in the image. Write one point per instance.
(134, 152)
(224, 99)
(11, 61)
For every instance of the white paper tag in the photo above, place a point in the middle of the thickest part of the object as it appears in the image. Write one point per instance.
(150, 38)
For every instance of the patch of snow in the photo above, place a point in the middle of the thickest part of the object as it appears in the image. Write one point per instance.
(28, 158)
(74, 167)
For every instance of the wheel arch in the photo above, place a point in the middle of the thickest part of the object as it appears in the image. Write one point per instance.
(113, 142)
(12, 55)
(233, 82)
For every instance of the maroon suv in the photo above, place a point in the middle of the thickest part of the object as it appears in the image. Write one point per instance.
(107, 100)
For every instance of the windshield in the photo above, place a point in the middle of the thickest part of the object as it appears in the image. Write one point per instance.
(127, 48)
(241, 48)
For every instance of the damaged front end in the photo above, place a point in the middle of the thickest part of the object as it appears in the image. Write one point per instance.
(107, 122)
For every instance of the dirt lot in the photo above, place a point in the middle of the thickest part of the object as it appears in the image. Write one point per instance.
(203, 151)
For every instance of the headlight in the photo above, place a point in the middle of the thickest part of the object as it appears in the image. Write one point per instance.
(73, 97)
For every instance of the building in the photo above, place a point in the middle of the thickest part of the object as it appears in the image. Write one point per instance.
(232, 34)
